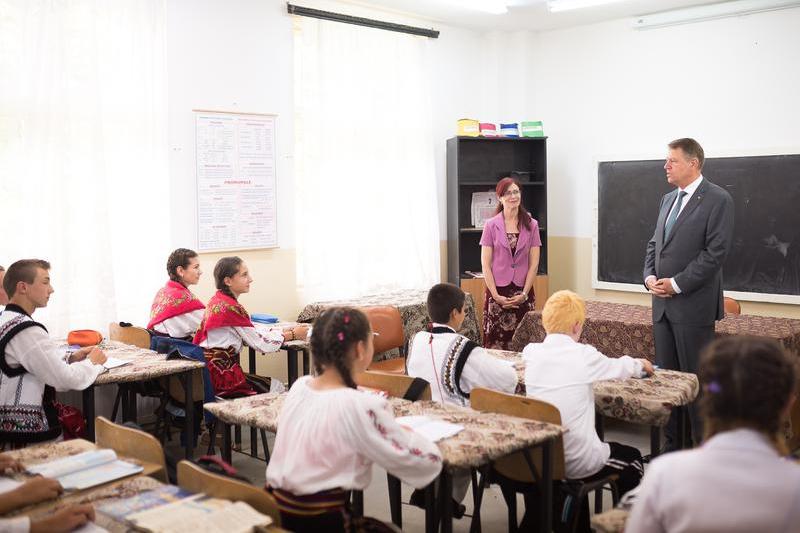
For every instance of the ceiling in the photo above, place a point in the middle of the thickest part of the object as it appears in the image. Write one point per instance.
(525, 14)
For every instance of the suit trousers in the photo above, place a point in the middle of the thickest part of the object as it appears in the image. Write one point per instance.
(678, 347)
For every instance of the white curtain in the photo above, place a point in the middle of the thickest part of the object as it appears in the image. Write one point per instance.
(364, 161)
(83, 154)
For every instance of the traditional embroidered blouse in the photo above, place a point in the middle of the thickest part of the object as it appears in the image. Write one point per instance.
(21, 410)
(437, 362)
(329, 439)
(226, 324)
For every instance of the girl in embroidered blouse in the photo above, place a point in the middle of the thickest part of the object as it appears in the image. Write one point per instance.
(330, 433)
(510, 246)
(226, 326)
(176, 312)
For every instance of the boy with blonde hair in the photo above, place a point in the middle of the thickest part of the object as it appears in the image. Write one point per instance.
(560, 371)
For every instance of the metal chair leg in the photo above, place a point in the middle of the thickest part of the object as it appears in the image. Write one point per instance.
(265, 445)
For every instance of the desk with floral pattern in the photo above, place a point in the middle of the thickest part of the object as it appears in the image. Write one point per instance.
(144, 365)
(625, 329)
(647, 401)
(97, 496)
(483, 439)
(413, 308)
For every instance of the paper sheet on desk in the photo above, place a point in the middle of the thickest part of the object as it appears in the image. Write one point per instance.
(7, 484)
(430, 428)
(113, 362)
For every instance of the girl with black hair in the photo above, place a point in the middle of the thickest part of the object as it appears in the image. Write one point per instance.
(226, 326)
(329, 434)
(737, 481)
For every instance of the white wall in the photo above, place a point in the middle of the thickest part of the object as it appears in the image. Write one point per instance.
(230, 56)
(608, 90)
(237, 55)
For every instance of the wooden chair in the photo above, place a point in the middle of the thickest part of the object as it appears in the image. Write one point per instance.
(140, 338)
(129, 335)
(194, 479)
(386, 321)
(395, 385)
(133, 443)
(514, 469)
(732, 307)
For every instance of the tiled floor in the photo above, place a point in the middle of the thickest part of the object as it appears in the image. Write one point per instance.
(493, 509)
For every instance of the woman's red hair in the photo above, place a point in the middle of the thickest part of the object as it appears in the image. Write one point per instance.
(500, 190)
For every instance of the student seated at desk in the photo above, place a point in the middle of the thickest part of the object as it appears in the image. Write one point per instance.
(737, 481)
(176, 312)
(33, 491)
(32, 366)
(226, 326)
(329, 433)
(453, 365)
(561, 371)
(450, 362)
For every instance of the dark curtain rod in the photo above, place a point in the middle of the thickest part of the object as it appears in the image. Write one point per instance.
(360, 21)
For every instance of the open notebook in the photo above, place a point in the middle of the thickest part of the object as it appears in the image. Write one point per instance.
(86, 469)
(199, 514)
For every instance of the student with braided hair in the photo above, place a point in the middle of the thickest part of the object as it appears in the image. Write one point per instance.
(226, 327)
(737, 481)
(329, 434)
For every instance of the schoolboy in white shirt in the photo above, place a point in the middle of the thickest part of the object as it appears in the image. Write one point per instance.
(560, 371)
(454, 365)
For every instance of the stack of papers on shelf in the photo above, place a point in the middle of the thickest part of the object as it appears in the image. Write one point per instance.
(199, 514)
(484, 205)
(86, 469)
(430, 428)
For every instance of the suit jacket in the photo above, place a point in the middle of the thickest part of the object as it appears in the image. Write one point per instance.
(693, 255)
(507, 268)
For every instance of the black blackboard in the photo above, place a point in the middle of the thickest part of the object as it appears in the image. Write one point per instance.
(765, 257)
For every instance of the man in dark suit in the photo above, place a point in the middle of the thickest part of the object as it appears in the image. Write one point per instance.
(683, 267)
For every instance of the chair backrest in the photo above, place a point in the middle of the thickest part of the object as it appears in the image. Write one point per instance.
(195, 479)
(388, 324)
(515, 466)
(129, 335)
(732, 307)
(132, 443)
(395, 385)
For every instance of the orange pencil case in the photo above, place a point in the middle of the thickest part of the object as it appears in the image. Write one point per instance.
(84, 337)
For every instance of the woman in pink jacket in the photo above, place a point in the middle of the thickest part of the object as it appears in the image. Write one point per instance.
(510, 259)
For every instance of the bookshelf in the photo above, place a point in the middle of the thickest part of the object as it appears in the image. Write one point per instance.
(476, 164)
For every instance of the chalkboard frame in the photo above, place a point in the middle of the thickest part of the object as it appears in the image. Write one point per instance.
(639, 287)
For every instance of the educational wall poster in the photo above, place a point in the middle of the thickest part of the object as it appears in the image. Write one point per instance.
(236, 187)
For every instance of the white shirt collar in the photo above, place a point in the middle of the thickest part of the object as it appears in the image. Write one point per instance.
(741, 438)
(689, 189)
(438, 325)
(558, 338)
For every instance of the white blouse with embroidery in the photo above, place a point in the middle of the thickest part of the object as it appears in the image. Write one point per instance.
(329, 439)
(268, 341)
(181, 326)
